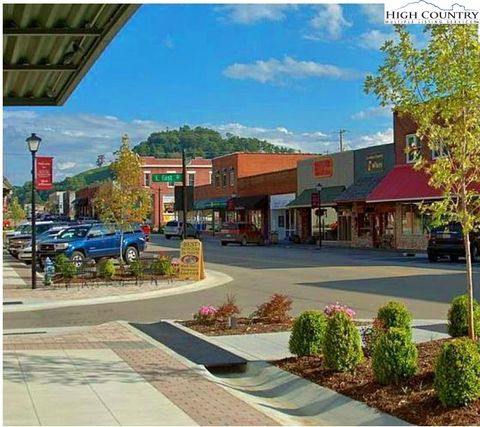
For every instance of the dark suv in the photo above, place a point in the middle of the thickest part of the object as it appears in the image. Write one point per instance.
(447, 240)
(240, 232)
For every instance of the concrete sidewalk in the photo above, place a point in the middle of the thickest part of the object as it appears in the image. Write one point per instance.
(110, 375)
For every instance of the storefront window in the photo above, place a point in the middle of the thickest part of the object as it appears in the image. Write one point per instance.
(413, 148)
(364, 224)
(413, 221)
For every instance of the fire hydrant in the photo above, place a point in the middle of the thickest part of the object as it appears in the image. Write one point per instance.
(49, 271)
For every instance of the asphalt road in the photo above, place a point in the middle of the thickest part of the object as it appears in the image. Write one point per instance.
(313, 278)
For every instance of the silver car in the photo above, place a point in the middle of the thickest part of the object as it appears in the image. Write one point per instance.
(175, 229)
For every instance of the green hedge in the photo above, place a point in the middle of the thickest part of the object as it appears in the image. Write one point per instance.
(395, 315)
(458, 316)
(308, 333)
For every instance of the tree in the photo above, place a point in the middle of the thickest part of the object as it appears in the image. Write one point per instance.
(15, 211)
(100, 160)
(124, 200)
(438, 86)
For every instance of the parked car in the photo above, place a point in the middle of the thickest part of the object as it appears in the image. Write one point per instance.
(18, 241)
(25, 254)
(448, 241)
(175, 229)
(21, 229)
(241, 232)
(94, 241)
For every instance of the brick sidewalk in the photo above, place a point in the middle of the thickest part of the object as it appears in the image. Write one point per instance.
(202, 400)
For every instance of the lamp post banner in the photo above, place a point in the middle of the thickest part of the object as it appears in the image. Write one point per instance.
(44, 173)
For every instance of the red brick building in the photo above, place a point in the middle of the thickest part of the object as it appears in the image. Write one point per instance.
(241, 187)
(199, 172)
(84, 201)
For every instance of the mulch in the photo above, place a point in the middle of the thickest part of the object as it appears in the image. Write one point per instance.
(244, 326)
(412, 400)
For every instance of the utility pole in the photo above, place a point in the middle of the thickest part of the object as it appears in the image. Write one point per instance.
(184, 194)
(341, 132)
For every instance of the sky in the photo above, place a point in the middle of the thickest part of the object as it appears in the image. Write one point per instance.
(290, 74)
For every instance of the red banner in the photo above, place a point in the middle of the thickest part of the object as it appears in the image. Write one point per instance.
(44, 173)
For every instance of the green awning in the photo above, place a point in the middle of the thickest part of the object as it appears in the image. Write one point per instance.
(327, 197)
(216, 203)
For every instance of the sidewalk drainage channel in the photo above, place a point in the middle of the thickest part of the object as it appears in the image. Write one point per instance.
(12, 302)
(25, 333)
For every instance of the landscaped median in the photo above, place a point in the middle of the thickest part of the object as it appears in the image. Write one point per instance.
(104, 292)
(383, 365)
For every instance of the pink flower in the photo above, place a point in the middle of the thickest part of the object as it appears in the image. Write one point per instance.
(331, 309)
(207, 310)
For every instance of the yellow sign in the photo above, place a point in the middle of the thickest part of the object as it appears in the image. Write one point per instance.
(191, 260)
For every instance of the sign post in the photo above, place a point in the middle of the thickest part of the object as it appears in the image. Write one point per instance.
(167, 177)
(192, 265)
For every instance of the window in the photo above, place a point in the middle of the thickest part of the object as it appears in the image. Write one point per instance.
(146, 179)
(413, 221)
(364, 224)
(440, 150)
(224, 178)
(217, 178)
(232, 177)
(281, 221)
(191, 179)
(413, 148)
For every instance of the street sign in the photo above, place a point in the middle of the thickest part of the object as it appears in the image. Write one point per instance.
(167, 177)
(315, 200)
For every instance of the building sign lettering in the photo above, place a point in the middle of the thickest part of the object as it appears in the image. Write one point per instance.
(375, 163)
(323, 168)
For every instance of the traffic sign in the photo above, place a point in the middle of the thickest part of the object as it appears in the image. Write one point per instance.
(167, 177)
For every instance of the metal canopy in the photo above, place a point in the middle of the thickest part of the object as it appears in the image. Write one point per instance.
(48, 48)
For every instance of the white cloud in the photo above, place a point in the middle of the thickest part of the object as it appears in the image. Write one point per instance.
(374, 39)
(275, 71)
(248, 14)
(328, 22)
(377, 138)
(66, 165)
(373, 12)
(373, 112)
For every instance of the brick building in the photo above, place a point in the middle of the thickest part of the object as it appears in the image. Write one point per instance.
(84, 201)
(241, 187)
(199, 172)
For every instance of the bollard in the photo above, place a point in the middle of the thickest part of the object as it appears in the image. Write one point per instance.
(49, 271)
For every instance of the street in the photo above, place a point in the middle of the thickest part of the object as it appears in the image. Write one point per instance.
(361, 279)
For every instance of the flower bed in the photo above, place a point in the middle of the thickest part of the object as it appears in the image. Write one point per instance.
(412, 400)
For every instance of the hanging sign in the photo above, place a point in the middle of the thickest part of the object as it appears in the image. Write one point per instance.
(191, 260)
(44, 173)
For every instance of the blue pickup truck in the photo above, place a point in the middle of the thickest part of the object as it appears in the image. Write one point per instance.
(93, 241)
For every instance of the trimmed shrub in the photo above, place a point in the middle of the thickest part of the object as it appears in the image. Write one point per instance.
(137, 268)
(395, 315)
(308, 333)
(457, 373)
(342, 347)
(106, 268)
(60, 260)
(276, 310)
(228, 309)
(162, 266)
(370, 336)
(458, 316)
(394, 357)
(67, 269)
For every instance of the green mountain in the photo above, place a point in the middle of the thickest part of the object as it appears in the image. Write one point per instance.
(202, 142)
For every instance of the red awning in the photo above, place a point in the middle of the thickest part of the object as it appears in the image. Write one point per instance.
(403, 183)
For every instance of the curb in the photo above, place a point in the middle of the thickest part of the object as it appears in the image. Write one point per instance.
(213, 279)
(282, 396)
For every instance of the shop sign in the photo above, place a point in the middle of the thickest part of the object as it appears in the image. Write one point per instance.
(375, 163)
(280, 201)
(192, 265)
(44, 173)
(323, 168)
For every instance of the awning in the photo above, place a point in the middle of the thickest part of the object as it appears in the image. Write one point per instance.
(252, 202)
(359, 191)
(403, 183)
(327, 197)
(216, 203)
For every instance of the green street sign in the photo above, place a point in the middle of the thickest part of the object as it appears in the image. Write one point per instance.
(167, 177)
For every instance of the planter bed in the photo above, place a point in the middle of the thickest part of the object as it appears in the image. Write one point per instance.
(244, 326)
(115, 280)
(412, 400)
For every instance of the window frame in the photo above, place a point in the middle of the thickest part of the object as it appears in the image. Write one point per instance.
(412, 157)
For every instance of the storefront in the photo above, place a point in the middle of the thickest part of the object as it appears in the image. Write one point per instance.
(282, 220)
(253, 209)
(210, 214)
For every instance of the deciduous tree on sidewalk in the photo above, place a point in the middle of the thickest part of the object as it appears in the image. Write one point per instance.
(15, 211)
(124, 200)
(438, 86)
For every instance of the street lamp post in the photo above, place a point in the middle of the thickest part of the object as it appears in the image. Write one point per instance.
(33, 143)
(319, 216)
